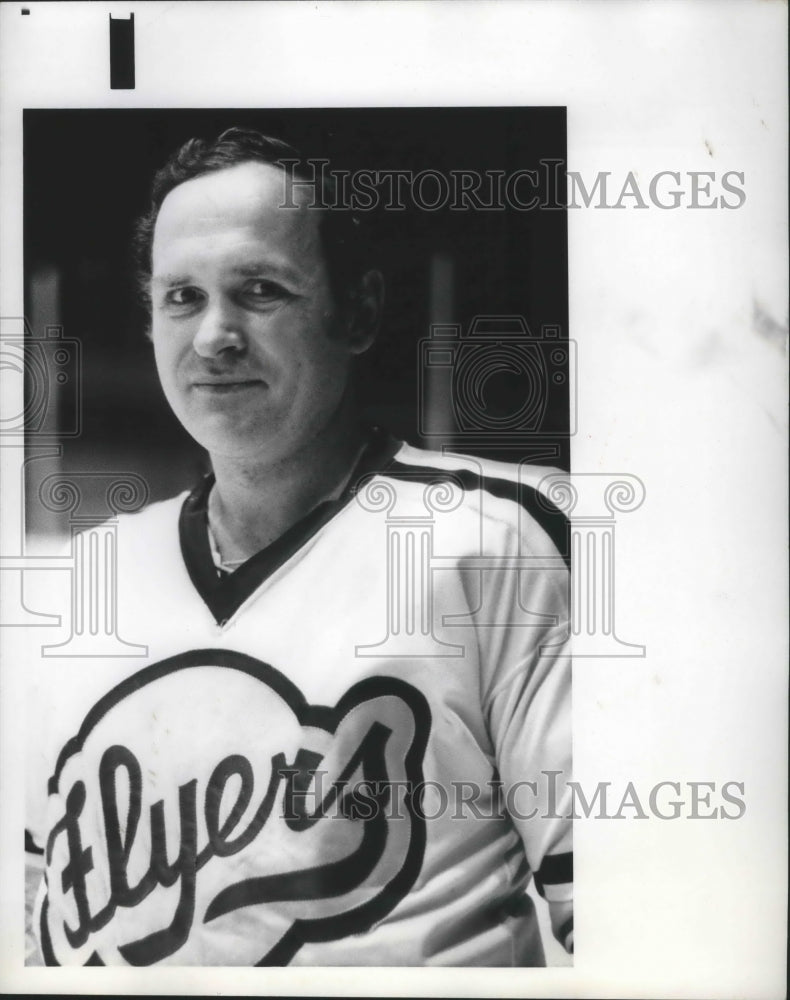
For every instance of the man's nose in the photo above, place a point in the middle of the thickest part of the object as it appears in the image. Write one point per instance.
(221, 329)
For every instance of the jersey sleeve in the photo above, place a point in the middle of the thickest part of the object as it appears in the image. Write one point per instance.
(527, 704)
(530, 722)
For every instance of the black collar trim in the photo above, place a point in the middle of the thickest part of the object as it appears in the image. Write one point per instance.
(224, 594)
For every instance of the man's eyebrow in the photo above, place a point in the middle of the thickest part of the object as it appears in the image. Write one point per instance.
(170, 280)
(253, 269)
(257, 268)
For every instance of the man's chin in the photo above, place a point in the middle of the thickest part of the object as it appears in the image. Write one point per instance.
(266, 439)
(234, 440)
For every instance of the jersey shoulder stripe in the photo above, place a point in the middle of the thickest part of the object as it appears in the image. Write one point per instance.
(547, 515)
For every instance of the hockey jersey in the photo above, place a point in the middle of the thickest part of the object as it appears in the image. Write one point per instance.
(349, 751)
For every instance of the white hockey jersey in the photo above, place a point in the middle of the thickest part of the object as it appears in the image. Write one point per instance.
(349, 751)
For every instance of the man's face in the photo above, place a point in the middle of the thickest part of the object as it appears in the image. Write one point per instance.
(248, 349)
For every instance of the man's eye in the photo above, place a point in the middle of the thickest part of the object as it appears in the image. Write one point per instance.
(182, 296)
(265, 290)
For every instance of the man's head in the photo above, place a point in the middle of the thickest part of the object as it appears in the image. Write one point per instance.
(259, 301)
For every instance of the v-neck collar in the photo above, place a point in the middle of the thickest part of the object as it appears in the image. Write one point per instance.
(224, 594)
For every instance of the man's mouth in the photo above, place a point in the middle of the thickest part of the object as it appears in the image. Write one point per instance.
(223, 386)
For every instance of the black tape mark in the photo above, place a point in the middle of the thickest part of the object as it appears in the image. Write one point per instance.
(122, 53)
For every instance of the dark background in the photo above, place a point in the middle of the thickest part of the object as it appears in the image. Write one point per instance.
(87, 175)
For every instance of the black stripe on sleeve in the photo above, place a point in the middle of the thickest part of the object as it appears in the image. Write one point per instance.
(557, 869)
(31, 847)
(565, 929)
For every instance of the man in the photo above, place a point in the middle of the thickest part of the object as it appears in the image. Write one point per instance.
(347, 741)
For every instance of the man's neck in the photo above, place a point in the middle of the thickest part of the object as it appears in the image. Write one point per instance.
(255, 502)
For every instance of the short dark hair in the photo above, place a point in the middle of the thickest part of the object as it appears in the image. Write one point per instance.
(345, 240)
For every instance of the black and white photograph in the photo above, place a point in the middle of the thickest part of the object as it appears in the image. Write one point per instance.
(356, 641)
(394, 499)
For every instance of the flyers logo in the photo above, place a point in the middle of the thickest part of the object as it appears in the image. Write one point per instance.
(205, 813)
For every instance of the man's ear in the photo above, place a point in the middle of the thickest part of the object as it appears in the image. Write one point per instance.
(364, 315)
